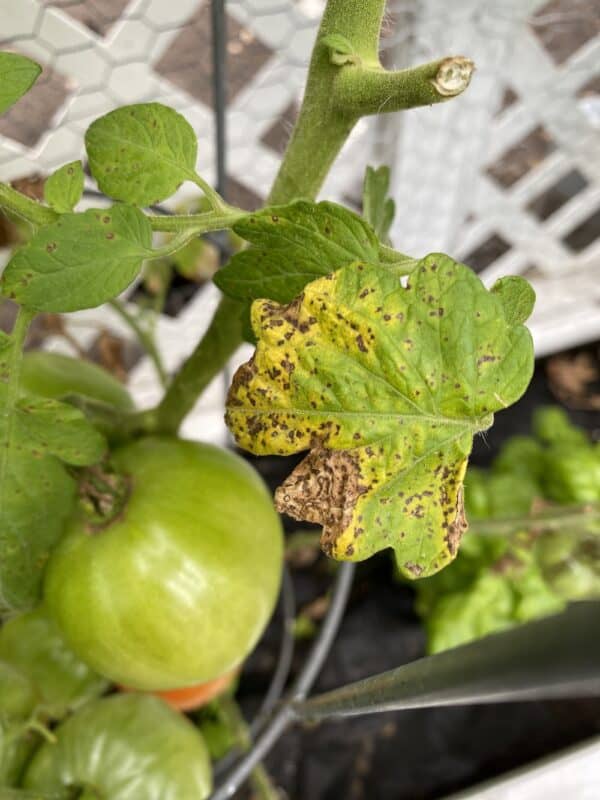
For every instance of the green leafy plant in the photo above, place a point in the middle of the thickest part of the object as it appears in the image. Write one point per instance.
(535, 539)
(382, 365)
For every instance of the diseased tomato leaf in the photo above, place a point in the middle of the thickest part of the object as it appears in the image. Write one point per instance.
(40, 426)
(378, 208)
(63, 189)
(79, 261)
(141, 153)
(36, 499)
(293, 245)
(386, 386)
(17, 76)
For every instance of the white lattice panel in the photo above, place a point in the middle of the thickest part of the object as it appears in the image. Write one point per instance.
(529, 212)
(512, 191)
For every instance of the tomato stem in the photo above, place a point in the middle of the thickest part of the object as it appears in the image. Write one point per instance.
(336, 97)
(103, 494)
(233, 719)
(144, 337)
(19, 333)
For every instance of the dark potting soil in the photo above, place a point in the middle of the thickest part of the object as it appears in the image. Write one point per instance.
(415, 755)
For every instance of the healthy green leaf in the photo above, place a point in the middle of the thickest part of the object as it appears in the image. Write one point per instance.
(387, 387)
(293, 245)
(341, 50)
(39, 426)
(494, 600)
(17, 76)
(79, 261)
(378, 208)
(63, 189)
(36, 499)
(517, 296)
(141, 153)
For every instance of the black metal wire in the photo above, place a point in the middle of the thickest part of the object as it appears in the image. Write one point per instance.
(280, 675)
(286, 653)
(219, 53)
(276, 725)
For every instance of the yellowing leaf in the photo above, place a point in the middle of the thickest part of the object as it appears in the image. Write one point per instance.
(386, 386)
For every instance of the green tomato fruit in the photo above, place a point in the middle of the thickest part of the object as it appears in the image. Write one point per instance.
(18, 699)
(33, 645)
(16, 746)
(54, 375)
(124, 747)
(179, 588)
(17, 695)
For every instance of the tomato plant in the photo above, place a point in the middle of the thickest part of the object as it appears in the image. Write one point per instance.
(124, 747)
(194, 557)
(159, 560)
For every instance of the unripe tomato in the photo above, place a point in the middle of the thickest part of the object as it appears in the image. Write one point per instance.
(17, 696)
(54, 375)
(32, 644)
(124, 747)
(178, 589)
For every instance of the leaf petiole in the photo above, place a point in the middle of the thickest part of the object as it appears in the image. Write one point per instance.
(214, 198)
(25, 207)
(145, 338)
(197, 223)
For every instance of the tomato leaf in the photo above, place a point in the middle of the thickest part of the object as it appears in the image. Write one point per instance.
(387, 387)
(517, 296)
(40, 426)
(63, 189)
(17, 76)
(293, 245)
(79, 261)
(141, 153)
(36, 499)
(378, 208)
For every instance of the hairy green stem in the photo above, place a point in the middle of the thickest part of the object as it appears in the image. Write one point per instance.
(196, 223)
(231, 716)
(19, 332)
(24, 207)
(568, 517)
(145, 339)
(336, 97)
(216, 347)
